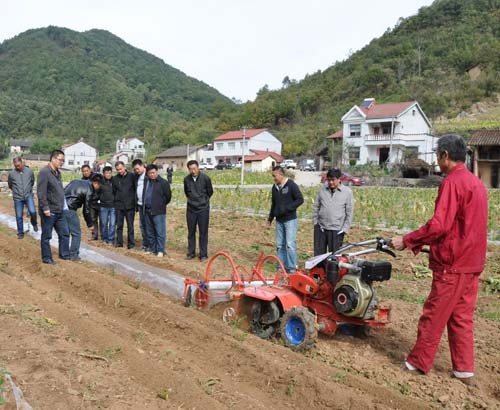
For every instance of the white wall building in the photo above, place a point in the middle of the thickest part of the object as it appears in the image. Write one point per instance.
(132, 148)
(379, 133)
(229, 147)
(79, 154)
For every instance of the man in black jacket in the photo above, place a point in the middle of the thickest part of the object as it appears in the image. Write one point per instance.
(198, 189)
(87, 175)
(107, 207)
(155, 198)
(80, 193)
(124, 191)
(286, 198)
(140, 182)
(51, 203)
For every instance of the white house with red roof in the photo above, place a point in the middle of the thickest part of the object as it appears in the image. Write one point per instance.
(261, 161)
(78, 154)
(231, 146)
(386, 133)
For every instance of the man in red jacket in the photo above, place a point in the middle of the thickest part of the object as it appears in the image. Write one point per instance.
(457, 235)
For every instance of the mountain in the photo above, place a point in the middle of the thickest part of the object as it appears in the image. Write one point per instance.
(426, 57)
(61, 84)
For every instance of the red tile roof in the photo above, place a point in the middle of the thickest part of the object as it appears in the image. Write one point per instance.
(336, 135)
(386, 110)
(238, 135)
(260, 155)
(485, 137)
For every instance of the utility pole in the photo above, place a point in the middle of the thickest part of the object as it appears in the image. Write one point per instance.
(243, 158)
(187, 154)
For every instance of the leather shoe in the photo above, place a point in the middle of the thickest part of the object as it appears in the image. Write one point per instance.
(189, 257)
(35, 228)
(49, 262)
(203, 259)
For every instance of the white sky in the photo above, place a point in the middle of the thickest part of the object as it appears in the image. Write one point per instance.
(236, 46)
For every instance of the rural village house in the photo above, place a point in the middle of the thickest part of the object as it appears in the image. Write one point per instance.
(19, 146)
(78, 154)
(179, 156)
(230, 148)
(486, 156)
(386, 133)
(128, 149)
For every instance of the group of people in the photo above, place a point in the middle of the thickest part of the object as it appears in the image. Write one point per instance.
(457, 232)
(107, 202)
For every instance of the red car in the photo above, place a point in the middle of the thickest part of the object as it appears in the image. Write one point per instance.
(346, 179)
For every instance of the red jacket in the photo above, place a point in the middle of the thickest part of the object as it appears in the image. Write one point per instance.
(457, 233)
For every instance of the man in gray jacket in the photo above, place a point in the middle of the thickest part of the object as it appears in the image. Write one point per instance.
(332, 214)
(21, 181)
(51, 203)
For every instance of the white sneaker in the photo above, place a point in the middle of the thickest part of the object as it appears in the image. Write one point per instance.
(160, 254)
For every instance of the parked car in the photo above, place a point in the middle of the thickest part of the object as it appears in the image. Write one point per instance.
(347, 179)
(224, 165)
(289, 163)
(307, 165)
(237, 165)
(206, 166)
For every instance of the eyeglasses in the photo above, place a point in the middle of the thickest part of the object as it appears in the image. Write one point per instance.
(60, 159)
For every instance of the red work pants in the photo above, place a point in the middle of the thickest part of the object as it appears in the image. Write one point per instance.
(450, 303)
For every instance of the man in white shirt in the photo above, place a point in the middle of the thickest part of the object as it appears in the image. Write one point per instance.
(141, 177)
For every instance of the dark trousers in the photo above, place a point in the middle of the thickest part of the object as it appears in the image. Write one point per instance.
(200, 219)
(326, 241)
(127, 214)
(144, 229)
(94, 214)
(57, 222)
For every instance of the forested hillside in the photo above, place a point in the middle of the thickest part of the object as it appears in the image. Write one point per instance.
(424, 57)
(59, 84)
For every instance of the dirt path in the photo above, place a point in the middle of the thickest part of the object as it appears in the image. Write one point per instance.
(77, 336)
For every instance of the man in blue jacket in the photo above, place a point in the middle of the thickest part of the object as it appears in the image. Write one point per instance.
(156, 196)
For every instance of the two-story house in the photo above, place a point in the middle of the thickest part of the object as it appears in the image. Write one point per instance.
(128, 149)
(387, 133)
(231, 146)
(79, 154)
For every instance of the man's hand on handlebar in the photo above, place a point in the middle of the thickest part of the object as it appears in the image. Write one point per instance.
(397, 243)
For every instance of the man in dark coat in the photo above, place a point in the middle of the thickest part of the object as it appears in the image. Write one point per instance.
(124, 191)
(87, 174)
(198, 189)
(156, 196)
(80, 194)
(107, 207)
(51, 203)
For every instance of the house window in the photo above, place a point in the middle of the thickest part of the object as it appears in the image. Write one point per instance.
(354, 153)
(354, 130)
(71, 162)
(219, 146)
(386, 128)
(411, 152)
(231, 145)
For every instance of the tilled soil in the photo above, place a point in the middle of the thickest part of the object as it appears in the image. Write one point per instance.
(76, 336)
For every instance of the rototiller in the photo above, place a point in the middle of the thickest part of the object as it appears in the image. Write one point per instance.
(333, 289)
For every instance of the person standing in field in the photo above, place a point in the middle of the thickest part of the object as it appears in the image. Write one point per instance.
(140, 181)
(156, 197)
(332, 213)
(107, 209)
(87, 175)
(286, 198)
(124, 191)
(21, 181)
(51, 204)
(457, 235)
(198, 190)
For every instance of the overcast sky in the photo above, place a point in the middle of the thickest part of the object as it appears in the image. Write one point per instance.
(236, 46)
